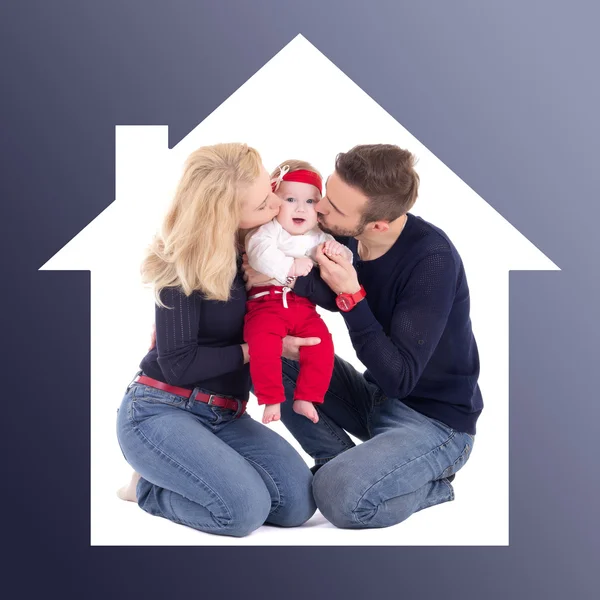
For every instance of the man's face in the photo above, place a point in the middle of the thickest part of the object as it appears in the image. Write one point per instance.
(341, 208)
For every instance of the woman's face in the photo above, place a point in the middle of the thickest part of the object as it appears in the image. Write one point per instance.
(259, 204)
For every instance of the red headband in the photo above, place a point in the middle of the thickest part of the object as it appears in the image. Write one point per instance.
(302, 176)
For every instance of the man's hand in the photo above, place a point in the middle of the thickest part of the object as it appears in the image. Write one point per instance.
(337, 272)
(292, 345)
(153, 337)
(252, 277)
(302, 266)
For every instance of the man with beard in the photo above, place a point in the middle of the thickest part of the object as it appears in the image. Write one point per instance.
(407, 309)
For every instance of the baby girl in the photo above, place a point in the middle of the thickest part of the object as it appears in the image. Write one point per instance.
(284, 249)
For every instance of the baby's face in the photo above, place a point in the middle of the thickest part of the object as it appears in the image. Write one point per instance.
(297, 214)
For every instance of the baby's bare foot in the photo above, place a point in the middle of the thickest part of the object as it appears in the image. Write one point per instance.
(272, 413)
(128, 492)
(302, 407)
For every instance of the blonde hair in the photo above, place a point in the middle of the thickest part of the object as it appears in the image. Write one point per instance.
(293, 165)
(196, 248)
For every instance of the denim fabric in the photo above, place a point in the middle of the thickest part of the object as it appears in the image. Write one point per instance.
(209, 468)
(401, 467)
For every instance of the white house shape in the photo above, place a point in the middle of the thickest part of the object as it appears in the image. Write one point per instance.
(299, 105)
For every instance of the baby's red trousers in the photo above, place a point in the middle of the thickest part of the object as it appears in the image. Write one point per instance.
(266, 323)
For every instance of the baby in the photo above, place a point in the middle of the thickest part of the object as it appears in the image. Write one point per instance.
(284, 249)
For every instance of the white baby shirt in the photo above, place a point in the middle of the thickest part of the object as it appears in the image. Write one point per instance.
(271, 249)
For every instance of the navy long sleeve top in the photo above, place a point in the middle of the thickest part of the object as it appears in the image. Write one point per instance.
(413, 330)
(198, 342)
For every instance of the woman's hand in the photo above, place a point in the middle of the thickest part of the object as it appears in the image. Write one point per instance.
(337, 272)
(245, 353)
(252, 277)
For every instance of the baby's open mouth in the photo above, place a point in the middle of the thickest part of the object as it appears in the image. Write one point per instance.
(298, 221)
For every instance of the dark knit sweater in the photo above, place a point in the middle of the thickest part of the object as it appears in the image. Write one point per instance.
(413, 331)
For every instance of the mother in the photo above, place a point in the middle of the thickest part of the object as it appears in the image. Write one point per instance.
(199, 458)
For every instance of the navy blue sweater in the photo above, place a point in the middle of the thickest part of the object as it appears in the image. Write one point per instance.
(413, 330)
(198, 342)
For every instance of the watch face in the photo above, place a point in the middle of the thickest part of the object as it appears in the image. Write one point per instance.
(343, 303)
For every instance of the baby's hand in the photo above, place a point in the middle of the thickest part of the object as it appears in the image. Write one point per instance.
(302, 266)
(331, 247)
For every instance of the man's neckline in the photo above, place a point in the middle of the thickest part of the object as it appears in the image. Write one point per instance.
(393, 247)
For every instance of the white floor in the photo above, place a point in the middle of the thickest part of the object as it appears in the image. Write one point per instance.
(476, 517)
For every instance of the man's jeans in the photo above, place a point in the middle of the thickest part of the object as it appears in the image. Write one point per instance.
(402, 465)
(205, 467)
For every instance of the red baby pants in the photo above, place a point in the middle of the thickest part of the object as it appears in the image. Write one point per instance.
(267, 322)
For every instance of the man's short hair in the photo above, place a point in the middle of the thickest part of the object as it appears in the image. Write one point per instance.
(385, 174)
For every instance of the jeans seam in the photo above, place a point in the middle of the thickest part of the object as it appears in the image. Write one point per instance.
(449, 486)
(436, 502)
(354, 511)
(180, 521)
(463, 456)
(279, 500)
(191, 475)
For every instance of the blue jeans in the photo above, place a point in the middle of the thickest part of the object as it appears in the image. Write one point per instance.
(208, 468)
(401, 467)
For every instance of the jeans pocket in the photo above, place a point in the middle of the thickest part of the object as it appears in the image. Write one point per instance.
(217, 415)
(209, 414)
(147, 402)
(145, 393)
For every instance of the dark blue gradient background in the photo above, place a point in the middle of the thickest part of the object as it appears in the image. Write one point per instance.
(505, 93)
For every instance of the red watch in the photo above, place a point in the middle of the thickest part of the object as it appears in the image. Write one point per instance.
(347, 302)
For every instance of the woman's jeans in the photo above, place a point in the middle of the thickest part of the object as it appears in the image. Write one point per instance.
(208, 468)
(402, 466)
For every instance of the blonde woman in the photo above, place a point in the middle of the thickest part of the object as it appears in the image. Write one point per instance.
(199, 458)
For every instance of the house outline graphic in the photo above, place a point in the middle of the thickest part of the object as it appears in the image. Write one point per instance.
(299, 105)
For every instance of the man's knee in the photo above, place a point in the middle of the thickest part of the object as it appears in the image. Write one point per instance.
(349, 498)
(337, 492)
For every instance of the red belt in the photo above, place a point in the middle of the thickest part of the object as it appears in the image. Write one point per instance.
(212, 399)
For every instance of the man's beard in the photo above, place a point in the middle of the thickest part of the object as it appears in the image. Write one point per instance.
(342, 232)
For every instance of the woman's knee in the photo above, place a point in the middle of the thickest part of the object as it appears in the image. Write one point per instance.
(296, 503)
(246, 511)
(288, 481)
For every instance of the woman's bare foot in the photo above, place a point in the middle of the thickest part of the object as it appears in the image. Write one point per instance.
(302, 407)
(128, 492)
(272, 413)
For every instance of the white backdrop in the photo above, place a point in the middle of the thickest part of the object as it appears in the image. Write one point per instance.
(313, 113)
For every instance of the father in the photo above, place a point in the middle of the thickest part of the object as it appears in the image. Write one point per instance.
(406, 306)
